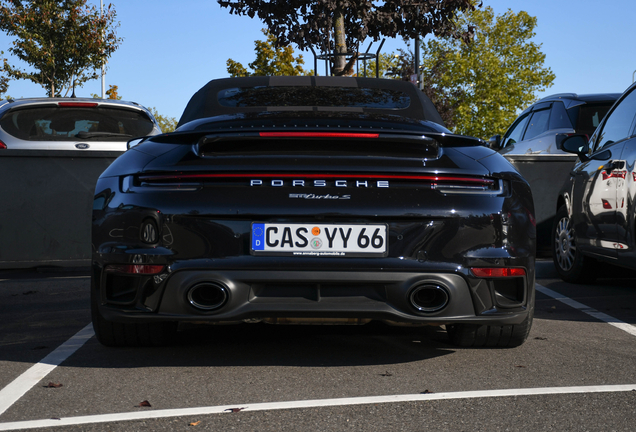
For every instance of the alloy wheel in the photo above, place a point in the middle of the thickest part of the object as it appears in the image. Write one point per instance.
(564, 247)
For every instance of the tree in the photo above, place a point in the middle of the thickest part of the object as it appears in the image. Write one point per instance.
(337, 25)
(111, 93)
(388, 65)
(270, 60)
(4, 80)
(65, 42)
(482, 84)
(167, 124)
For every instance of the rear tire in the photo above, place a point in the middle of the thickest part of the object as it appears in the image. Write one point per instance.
(478, 336)
(114, 334)
(571, 265)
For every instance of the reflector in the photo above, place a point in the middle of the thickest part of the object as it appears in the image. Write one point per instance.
(494, 272)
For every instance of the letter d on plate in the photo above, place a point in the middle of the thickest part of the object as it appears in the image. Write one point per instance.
(258, 236)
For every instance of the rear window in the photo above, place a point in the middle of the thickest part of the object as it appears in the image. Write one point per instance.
(590, 116)
(313, 96)
(55, 123)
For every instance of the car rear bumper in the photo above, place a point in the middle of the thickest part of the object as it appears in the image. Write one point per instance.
(213, 296)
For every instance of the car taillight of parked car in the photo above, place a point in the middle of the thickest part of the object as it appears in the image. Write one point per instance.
(2, 145)
(78, 104)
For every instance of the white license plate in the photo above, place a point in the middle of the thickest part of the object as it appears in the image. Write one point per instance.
(335, 240)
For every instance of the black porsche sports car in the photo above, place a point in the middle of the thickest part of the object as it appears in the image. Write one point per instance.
(291, 200)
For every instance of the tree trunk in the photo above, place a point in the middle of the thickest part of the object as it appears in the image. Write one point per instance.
(339, 61)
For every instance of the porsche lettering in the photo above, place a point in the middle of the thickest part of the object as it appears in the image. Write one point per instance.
(321, 183)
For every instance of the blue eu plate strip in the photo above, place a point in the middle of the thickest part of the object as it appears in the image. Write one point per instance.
(258, 236)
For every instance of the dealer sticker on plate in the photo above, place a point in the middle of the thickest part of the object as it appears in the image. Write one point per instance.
(335, 240)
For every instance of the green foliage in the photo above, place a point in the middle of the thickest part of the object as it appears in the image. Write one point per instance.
(111, 93)
(389, 63)
(312, 22)
(60, 40)
(167, 124)
(270, 60)
(4, 80)
(484, 83)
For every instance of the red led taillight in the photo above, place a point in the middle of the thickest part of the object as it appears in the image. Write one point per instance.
(317, 135)
(2, 145)
(497, 272)
(343, 176)
(147, 269)
(77, 104)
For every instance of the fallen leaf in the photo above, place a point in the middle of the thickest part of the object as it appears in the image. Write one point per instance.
(197, 423)
(541, 338)
(144, 404)
(520, 366)
(387, 373)
(53, 385)
(426, 392)
(234, 410)
(55, 418)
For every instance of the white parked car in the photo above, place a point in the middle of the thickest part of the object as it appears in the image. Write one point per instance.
(73, 124)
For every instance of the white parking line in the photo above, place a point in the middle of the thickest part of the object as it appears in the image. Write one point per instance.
(22, 384)
(588, 310)
(144, 415)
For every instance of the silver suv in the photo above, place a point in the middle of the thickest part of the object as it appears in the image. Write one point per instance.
(534, 131)
(73, 124)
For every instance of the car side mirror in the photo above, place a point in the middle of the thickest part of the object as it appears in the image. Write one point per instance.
(495, 142)
(577, 144)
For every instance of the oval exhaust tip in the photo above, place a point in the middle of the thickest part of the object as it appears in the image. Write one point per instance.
(429, 298)
(208, 296)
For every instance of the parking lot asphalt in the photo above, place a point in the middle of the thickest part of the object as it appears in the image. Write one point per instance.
(575, 372)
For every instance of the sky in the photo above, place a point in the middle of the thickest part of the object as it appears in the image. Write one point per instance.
(172, 48)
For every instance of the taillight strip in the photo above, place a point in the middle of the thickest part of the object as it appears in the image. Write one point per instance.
(433, 178)
(318, 135)
(77, 104)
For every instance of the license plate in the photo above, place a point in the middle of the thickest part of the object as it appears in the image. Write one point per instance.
(332, 240)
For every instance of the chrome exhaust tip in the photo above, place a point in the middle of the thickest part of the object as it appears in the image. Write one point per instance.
(429, 298)
(208, 296)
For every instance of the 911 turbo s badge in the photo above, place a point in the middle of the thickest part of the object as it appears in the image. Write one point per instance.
(320, 197)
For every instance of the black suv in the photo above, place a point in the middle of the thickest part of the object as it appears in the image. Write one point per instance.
(595, 210)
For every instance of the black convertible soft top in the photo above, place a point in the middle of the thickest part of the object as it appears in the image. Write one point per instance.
(309, 93)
